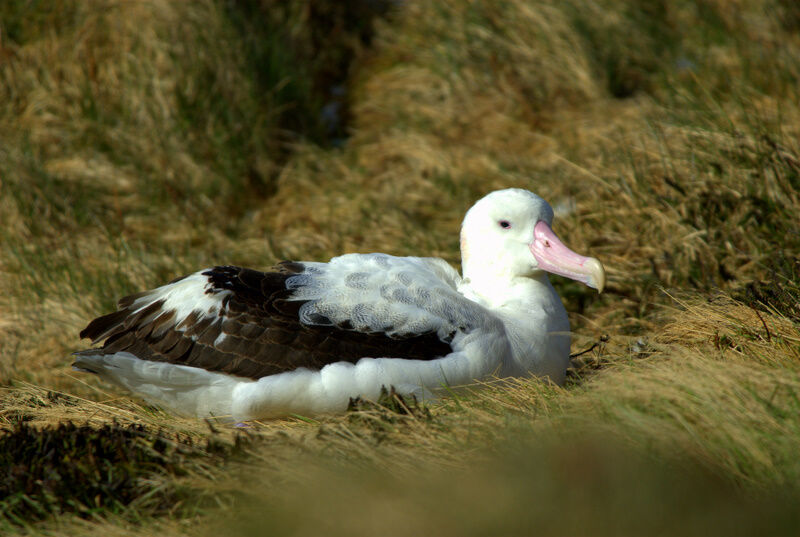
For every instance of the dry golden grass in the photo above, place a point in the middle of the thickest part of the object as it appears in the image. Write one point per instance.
(141, 140)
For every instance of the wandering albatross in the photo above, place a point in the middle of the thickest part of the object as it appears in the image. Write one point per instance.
(305, 337)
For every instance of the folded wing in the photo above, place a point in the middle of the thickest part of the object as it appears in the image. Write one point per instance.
(300, 315)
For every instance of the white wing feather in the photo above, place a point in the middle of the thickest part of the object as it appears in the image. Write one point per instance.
(381, 293)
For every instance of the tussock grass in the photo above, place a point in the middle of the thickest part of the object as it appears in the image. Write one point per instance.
(143, 140)
(83, 469)
(664, 439)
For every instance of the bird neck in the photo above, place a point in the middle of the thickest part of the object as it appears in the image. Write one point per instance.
(494, 281)
(495, 288)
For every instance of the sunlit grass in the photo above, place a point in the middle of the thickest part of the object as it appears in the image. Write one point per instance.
(143, 140)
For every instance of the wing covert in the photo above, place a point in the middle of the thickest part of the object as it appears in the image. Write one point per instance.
(253, 324)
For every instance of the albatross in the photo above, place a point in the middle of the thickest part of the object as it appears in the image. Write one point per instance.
(306, 337)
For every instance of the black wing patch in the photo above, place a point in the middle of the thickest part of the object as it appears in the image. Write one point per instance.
(262, 333)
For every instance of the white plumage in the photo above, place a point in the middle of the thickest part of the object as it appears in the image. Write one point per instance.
(220, 343)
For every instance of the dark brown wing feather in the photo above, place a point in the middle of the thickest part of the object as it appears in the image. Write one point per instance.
(263, 335)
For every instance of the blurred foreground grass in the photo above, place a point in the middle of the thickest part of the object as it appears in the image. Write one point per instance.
(142, 140)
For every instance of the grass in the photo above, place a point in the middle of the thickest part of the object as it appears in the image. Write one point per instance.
(143, 140)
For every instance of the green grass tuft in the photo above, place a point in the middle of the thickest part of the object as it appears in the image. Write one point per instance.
(110, 470)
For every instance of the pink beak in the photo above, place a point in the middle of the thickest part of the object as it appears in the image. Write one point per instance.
(553, 256)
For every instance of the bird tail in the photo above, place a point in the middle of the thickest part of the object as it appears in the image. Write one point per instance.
(185, 390)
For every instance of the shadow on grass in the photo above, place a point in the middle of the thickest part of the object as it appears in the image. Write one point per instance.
(129, 470)
(570, 485)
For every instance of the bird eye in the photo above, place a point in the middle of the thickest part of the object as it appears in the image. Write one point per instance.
(505, 224)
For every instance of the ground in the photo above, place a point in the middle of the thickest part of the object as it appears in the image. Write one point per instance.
(140, 141)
